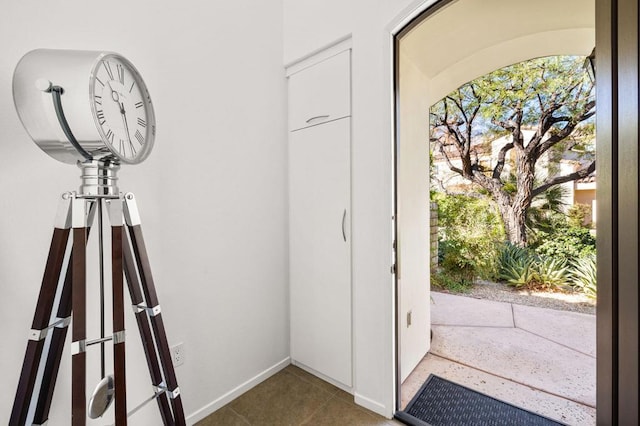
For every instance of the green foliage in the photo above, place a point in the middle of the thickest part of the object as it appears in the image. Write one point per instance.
(523, 267)
(578, 214)
(536, 85)
(568, 243)
(584, 275)
(553, 272)
(516, 265)
(457, 259)
(469, 228)
(552, 96)
(520, 273)
(557, 84)
(449, 280)
(545, 215)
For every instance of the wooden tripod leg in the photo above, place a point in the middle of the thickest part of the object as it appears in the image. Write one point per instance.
(40, 323)
(54, 357)
(145, 330)
(58, 338)
(118, 326)
(148, 287)
(79, 325)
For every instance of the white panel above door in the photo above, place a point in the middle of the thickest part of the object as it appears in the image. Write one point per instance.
(320, 93)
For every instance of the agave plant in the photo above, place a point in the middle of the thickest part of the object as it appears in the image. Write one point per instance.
(520, 273)
(553, 271)
(517, 265)
(509, 253)
(584, 276)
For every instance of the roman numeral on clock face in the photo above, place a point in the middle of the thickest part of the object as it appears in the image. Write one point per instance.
(110, 135)
(141, 122)
(120, 69)
(139, 136)
(139, 104)
(107, 66)
(100, 115)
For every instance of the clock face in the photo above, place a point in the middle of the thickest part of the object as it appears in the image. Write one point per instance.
(122, 109)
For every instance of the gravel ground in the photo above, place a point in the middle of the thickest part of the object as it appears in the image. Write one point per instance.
(564, 301)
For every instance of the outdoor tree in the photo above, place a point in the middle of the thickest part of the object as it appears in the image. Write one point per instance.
(552, 97)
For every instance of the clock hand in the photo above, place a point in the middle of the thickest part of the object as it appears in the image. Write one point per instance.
(126, 125)
(114, 95)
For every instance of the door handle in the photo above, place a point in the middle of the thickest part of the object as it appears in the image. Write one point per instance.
(317, 117)
(344, 217)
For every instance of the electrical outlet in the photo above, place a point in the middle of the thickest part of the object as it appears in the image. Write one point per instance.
(177, 354)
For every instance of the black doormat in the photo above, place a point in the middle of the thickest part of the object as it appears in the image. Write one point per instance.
(440, 402)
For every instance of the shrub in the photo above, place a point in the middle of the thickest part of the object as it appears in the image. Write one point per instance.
(568, 243)
(468, 230)
(457, 260)
(451, 281)
(579, 215)
(584, 275)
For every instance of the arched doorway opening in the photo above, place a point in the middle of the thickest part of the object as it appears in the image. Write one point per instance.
(447, 45)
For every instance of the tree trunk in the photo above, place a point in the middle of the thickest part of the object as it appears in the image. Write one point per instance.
(513, 210)
(515, 226)
(516, 217)
(513, 218)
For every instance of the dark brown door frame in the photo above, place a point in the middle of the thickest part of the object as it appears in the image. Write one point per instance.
(618, 74)
(617, 135)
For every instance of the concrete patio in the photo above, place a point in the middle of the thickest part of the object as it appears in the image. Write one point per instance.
(543, 360)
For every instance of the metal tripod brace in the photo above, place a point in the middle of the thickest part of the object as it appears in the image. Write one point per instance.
(62, 301)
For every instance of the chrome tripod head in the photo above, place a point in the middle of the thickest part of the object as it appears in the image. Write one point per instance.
(99, 179)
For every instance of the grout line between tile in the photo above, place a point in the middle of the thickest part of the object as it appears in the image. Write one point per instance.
(304, 379)
(308, 419)
(239, 415)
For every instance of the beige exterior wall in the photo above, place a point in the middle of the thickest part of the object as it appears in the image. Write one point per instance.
(584, 196)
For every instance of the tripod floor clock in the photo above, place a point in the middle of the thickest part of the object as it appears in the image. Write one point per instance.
(91, 109)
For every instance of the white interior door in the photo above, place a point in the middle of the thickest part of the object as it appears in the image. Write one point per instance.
(414, 312)
(320, 248)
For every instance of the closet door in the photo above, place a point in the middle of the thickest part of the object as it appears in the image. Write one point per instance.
(320, 248)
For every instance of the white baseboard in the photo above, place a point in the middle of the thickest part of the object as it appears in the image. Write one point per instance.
(371, 405)
(327, 379)
(236, 392)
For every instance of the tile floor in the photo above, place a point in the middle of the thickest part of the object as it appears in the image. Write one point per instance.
(294, 397)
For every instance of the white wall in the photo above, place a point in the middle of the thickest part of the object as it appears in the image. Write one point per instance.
(212, 195)
(310, 25)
